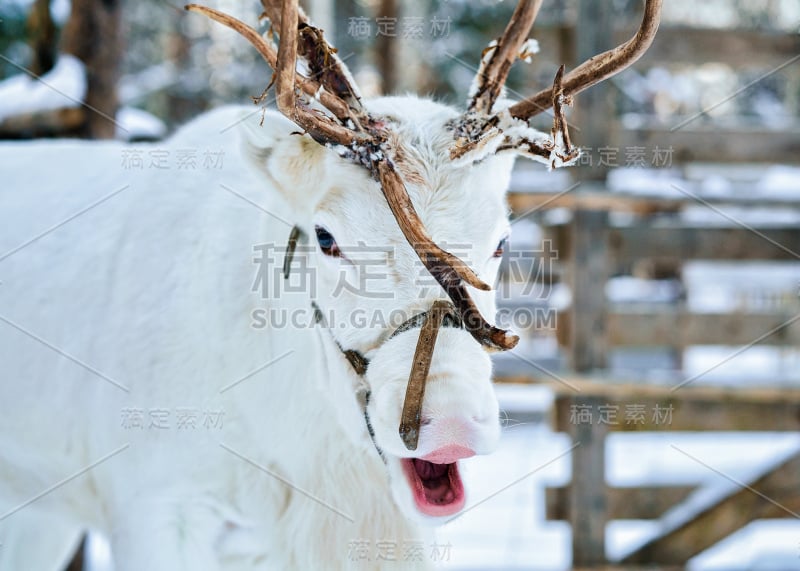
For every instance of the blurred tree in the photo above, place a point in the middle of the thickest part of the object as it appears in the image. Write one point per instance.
(41, 37)
(92, 35)
(386, 17)
(13, 38)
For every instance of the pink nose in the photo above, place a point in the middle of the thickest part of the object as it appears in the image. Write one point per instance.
(449, 454)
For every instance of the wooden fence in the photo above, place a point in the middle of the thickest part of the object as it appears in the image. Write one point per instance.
(590, 249)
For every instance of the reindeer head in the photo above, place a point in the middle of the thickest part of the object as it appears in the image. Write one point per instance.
(443, 175)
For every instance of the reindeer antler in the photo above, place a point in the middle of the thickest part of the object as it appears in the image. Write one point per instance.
(321, 127)
(478, 128)
(357, 136)
(597, 68)
(322, 60)
(500, 55)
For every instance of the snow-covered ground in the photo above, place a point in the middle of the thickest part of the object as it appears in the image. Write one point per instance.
(503, 525)
(508, 530)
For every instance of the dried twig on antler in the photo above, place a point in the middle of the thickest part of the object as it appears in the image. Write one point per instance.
(448, 270)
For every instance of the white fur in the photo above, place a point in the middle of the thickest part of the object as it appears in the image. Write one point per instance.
(152, 290)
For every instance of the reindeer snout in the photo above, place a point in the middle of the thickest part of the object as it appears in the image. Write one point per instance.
(450, 438)
(459, 410)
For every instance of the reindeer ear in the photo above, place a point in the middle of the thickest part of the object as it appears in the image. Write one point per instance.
(292, 161)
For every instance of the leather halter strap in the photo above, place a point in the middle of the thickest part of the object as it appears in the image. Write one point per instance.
(358, 361)
(449, 318)
(441, 314)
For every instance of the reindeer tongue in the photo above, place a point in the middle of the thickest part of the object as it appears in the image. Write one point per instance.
(435, 480)
(437, 488)
(428, 470)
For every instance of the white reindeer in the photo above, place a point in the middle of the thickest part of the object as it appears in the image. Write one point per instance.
(149, 392)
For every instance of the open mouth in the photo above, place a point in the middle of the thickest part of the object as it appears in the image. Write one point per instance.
(437, 488)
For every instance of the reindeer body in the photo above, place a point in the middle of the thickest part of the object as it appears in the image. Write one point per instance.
(152, 290)
(128, 319)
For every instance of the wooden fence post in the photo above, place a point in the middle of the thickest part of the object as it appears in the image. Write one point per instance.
(586, 503)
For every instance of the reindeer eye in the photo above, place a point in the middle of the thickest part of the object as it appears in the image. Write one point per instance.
(327, 242)
(501, 247)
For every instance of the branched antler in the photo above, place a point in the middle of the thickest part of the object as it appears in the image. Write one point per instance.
(356, 136)
(321, 127)
(497, 59)
(478, 132)
(600, 67)
(559, 121)
(326, 67)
